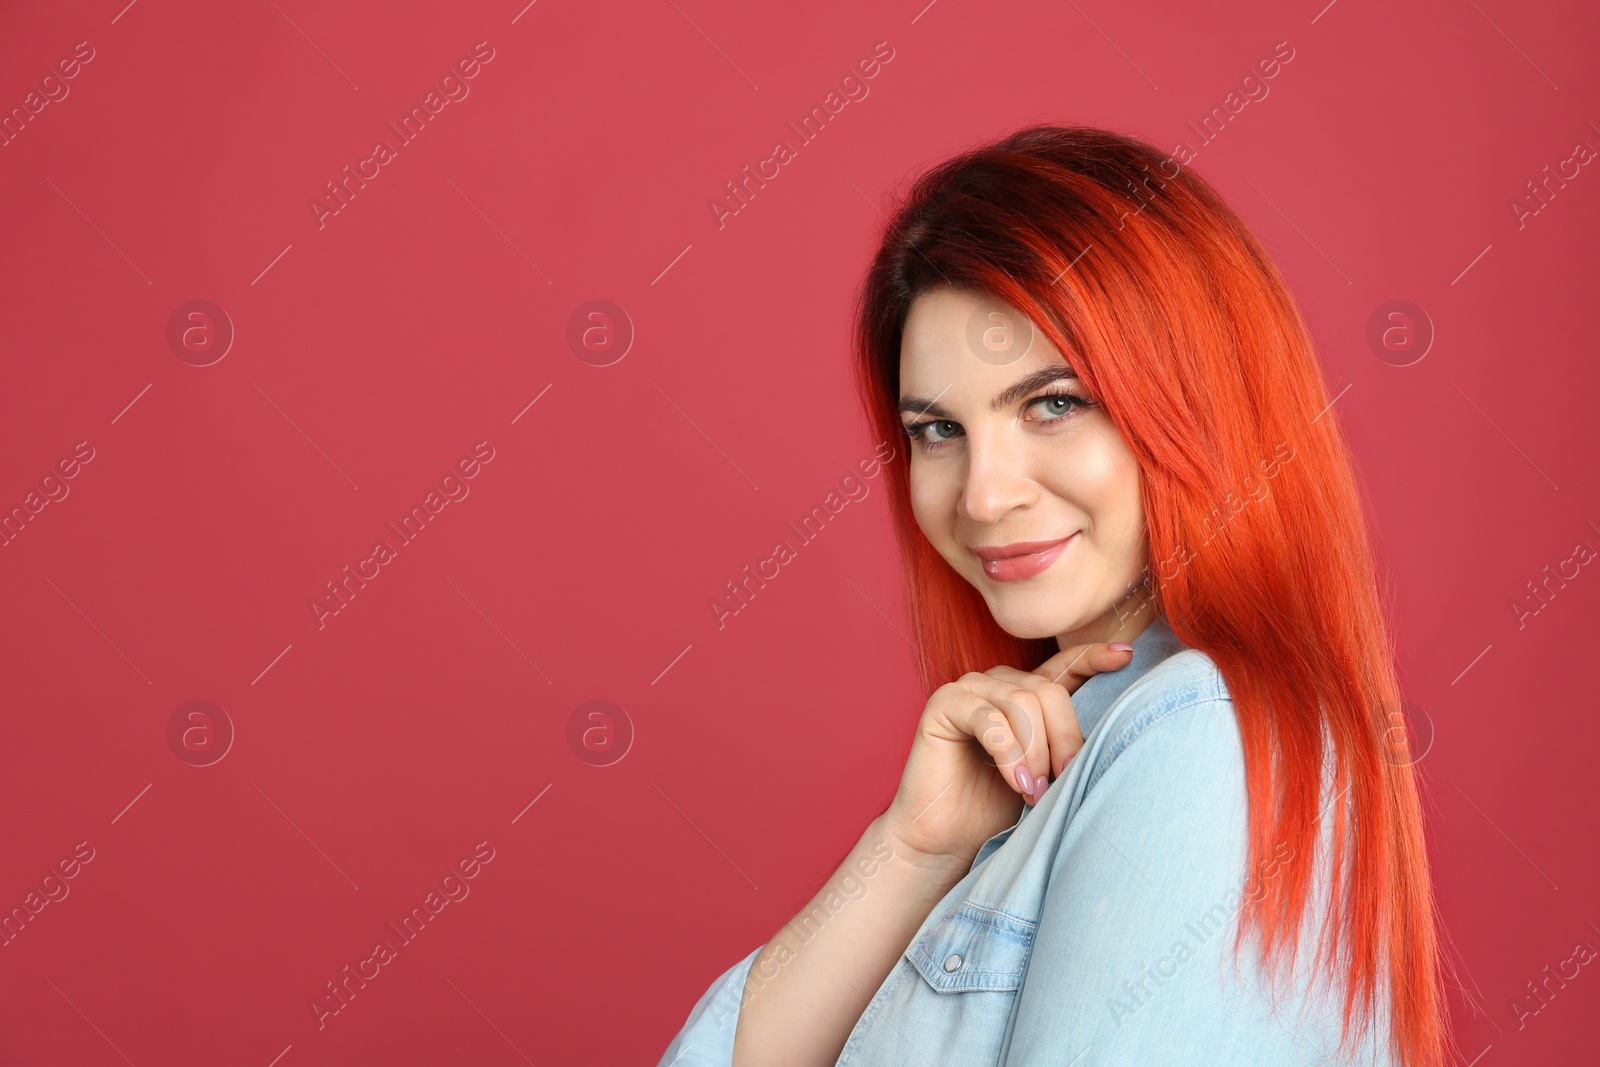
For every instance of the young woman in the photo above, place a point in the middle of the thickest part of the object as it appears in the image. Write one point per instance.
(1178, 822)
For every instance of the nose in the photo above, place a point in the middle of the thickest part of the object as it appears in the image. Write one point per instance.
(997, 479)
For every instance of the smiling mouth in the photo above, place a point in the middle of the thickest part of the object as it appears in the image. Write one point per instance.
(1021, 559)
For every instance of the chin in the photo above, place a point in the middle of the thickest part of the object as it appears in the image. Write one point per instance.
(1033, 617)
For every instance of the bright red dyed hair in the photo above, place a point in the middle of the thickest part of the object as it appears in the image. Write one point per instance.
(1175, 319)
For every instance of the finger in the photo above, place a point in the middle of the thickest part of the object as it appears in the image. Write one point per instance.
(1062, 731)
(970, 717)
(960, 715)
(993, 729)
(1025, 715)
(1073, 666)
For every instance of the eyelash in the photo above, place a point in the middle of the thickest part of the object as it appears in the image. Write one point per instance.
(1079, 404)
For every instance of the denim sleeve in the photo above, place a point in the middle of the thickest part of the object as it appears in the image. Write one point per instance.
(1130, 963)
(706, 1039)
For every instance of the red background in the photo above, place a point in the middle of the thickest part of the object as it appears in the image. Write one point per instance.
(373, 353)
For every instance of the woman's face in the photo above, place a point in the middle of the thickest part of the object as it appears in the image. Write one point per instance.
(1018, 477)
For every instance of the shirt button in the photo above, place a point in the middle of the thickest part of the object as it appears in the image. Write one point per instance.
(953, 963)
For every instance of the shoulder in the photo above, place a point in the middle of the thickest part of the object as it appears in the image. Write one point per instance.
(1177, 719)
(1161, 812)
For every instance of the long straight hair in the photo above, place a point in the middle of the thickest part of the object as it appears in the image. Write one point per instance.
(1175, 319)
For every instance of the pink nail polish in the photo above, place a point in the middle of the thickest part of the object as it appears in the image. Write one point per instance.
(1120, 646)
(1024, 783)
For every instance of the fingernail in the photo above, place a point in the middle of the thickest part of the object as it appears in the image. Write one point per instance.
(1040, 786)
(1119, 646)
(1024, 783)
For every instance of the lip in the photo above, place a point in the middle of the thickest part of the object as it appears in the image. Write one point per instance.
(1020, 559)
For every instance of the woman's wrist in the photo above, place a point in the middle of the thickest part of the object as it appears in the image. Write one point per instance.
(946, 868)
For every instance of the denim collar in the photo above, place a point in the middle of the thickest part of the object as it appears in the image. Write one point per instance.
(1155, 643)
(1098, 692)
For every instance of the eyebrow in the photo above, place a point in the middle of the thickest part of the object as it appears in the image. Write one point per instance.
(1011, 394)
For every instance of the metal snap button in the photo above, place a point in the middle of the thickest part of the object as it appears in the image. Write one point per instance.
(953, 963)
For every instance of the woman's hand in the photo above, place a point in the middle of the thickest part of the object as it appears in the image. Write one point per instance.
(984, 746)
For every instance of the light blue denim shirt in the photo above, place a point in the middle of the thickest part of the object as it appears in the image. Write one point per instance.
(1097, 931)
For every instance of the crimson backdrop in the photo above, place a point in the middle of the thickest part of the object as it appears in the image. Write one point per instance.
(229, 458)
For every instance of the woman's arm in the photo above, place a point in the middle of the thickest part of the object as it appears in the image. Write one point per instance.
(981, 742)
(810, 983)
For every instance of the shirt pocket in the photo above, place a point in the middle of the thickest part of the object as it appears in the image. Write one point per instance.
(949, 998)
(974, 949)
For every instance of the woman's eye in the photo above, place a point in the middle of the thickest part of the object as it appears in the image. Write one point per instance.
(933, 434)
(1047, 410)
(1057, 405)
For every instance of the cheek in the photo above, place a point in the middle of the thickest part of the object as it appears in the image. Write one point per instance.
(1097, 473)
(1129, 493)
(933, 502)
(923, 500)
(1121, 502)
(1125, 514)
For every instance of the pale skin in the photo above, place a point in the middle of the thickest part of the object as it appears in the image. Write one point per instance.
(997, 457)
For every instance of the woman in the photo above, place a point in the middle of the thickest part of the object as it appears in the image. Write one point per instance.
(1123, 484)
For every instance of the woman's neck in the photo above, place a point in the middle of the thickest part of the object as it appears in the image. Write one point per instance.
(1123, 622)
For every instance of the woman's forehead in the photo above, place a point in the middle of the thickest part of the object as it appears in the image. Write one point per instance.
(972, 344)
